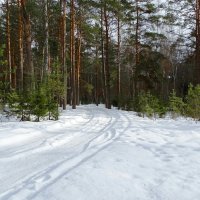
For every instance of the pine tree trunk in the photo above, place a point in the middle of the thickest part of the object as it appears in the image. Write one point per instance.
(21, 54)
(60, 55)
(103, 56)
(197, 71)
(107, 67)
(96, 80)
(118, 62)
(64, 53)
(78, 64)
(72, 42)
(28, 69)
(13, 72)
(9, 57)
(46, 52)
(137, 53)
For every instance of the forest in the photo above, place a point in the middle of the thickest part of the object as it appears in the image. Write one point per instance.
(138, 55)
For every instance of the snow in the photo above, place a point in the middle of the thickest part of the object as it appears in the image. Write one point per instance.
(92, 153)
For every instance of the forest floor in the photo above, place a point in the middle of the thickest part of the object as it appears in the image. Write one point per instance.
(92, 153)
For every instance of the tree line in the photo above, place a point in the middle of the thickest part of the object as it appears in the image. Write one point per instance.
(59, 52)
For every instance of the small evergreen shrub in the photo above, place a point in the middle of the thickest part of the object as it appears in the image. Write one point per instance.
(193, 102)
(176, 105)
(39, 104)
(52, 107)
(149, 105)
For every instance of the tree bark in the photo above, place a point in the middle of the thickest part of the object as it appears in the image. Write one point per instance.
(13, 69)
(102, 55)
(72, 44)
(96, 79)
(9, 56)
(197, 71)
(78, 63)
(21, 54)
(64, 53)
(118, 62)
(107, 67)
(28, 69)
(46, 53)
(137, 53)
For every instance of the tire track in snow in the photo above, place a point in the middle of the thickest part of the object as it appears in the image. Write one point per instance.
(39, 181)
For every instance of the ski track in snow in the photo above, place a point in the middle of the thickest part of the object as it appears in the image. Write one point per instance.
(96, 142)
(81, 135)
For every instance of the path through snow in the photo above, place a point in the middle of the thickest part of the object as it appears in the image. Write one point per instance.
(95, 153)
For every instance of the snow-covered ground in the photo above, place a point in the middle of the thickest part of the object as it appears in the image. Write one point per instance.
(94, 154)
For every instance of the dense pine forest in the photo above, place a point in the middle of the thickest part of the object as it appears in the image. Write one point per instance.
(138, 55)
